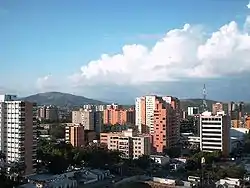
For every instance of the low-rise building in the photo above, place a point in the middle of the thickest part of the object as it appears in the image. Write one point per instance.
(132, 145)
(229, 182)
(159, 159)
(51, 181)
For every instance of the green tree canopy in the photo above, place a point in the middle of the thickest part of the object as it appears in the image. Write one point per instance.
(57, 131)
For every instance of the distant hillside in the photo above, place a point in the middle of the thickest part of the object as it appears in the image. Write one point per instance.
(60, 99)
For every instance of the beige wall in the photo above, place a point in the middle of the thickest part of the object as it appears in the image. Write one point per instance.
(132, 146)
(84, 117)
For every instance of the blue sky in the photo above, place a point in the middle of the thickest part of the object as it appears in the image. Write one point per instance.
(57, 37)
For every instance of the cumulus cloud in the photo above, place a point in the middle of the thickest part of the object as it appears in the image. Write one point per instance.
(45, 83)
(248, 5)
(182, 53)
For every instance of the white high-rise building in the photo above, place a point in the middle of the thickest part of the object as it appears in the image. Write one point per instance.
(215, 132)
(145, 106)
(18, 132)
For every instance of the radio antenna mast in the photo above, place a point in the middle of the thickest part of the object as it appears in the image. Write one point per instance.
(204, 101)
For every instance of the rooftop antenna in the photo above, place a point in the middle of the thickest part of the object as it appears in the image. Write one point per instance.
(204, 101)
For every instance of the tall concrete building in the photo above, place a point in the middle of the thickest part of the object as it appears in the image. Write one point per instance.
(145, 107)
(166, 126)
(75, 135)
(144, 113)
(18, 132)
(116, 114)
(84, 117)
(48, 113)
(90, 119)
(215, 132)
(159, 117)
(98, 121)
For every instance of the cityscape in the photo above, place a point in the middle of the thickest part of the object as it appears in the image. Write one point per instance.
(154, 141)
(148, 94)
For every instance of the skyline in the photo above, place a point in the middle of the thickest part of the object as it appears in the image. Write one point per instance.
(153, 48)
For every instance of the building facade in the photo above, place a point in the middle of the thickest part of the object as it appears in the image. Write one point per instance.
(193, 111)
(18, 132)
(116, 114)
(166, 126)
(215, 133)
(84, 117)
(144, 115)
(128, 142)
(94, 107)
(74, 134)
(48, 113)
(160, 117)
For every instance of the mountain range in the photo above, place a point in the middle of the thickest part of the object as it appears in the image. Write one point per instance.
(60, 99)
(69, 100)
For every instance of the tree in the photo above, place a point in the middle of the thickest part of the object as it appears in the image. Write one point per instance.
(57, 131)
(173, 152)
(235, 172)
(56, 157)
(58, 164)
(143, 162)
(191, 165)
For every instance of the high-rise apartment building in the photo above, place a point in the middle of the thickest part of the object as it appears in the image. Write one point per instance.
(236, 110)
(217, 107)
(144, 113)
(18, 132)
(241, 110)
(159, 117)
(215, 132)
(84, 117)
(116, 114)
(131, 144)
(48, 113)
(75, 135)
(166, 126)
(98, 121)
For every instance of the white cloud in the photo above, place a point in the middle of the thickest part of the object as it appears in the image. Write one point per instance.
(181, 53)
(247, 24)
(45, 83)
(248, 5)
